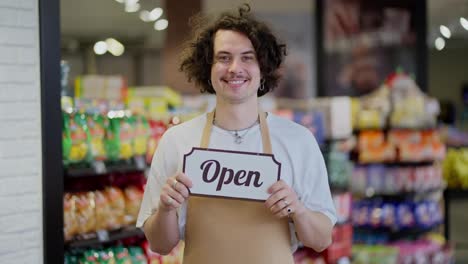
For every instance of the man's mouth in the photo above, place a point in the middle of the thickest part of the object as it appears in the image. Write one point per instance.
(235, 83)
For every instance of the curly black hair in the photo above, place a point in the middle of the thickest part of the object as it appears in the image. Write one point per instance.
(197, 56)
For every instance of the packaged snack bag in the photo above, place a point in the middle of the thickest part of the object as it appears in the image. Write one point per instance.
(422, 215)
(157, 129)
(90, 257)
(133, 197)
(106, 257)
(137, 256)
(405, 216)
(76, 135)
(70, 223)
(103, 211)
(121, 255)
(388, 215)
(85, 212)
(97, 130)
(120, 136)
(117, 207)
(66, 138)
(142, 133)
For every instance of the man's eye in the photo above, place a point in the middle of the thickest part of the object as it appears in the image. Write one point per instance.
(248, 58)
(223, 58)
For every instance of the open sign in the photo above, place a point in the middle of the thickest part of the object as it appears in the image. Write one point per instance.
(231, 174)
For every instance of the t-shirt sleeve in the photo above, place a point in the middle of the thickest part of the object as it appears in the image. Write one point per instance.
(314, 190)
(159, 172)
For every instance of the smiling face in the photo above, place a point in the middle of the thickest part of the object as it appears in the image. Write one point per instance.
(235, 73)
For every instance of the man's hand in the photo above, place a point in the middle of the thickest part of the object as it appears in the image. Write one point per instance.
(283, 201)
(175, 192)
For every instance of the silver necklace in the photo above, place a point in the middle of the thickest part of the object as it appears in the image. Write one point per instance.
(238, 138)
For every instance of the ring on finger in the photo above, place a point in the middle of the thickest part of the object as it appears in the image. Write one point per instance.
(174, 184)
(286, 203)
(289, 210)
(169, 201)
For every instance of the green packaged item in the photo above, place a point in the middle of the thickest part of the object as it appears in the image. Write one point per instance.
(97, 130)
(121, 255)
(106, 257)
(71, 259)
(119, 140)
(137, 256)
(142, 133)
(66, 138)
(90, 257)
(76, 139)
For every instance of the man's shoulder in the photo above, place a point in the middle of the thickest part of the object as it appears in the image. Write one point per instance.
(187, 127)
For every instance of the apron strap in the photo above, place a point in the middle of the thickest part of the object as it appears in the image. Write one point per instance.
(267, 149)
(265, 133)
(205, 140)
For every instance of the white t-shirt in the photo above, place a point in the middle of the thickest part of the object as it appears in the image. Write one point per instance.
(302, 164)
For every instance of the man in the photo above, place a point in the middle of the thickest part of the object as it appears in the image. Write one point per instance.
(237, 58)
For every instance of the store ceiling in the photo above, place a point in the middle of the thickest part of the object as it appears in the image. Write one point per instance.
(91, 20)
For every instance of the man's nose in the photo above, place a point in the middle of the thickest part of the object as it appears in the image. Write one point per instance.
(235, 66)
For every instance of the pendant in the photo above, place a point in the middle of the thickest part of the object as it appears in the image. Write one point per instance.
(237, 138)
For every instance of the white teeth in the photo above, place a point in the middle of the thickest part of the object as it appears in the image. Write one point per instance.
(236, 82)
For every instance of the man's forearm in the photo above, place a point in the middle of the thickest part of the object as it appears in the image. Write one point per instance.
(313, 229)
(162, 231)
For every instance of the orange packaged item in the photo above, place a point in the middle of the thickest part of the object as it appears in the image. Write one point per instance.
(383, 153)
(85, 212)
(402, 137)
(370, 139)
(70, 223)
(103, 211)
(413, 152)
(133, 197)
(117, 207)
(431, 136)
(438, 151)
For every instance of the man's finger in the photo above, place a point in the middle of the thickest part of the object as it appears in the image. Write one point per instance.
(181, 177)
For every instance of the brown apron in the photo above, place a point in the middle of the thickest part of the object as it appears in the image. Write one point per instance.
(225, 231)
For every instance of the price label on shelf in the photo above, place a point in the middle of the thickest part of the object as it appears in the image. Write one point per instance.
(103, 235)
(99, 167)
(140, 162)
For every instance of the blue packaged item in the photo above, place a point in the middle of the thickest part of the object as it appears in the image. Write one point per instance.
(389, 215)
(405, 216)
(422, 215)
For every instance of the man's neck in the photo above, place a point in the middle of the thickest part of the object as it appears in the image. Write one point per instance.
(236, 117)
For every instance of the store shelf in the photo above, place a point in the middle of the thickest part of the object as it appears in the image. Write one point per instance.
(387, 129)
(103, 237)
(101, 168)
(412, 195)
(452, 194)
(397, 234)
(398, 163)
(335, 189)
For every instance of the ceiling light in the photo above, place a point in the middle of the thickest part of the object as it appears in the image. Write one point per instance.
(439, 43)
(100, 47)
(145, 16)
(114, 47)
(131, 8)
(445, 31)
(464, 23)
(161, 24)
(156, 13)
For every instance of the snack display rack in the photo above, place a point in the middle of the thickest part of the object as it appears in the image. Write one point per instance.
(397, 181)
